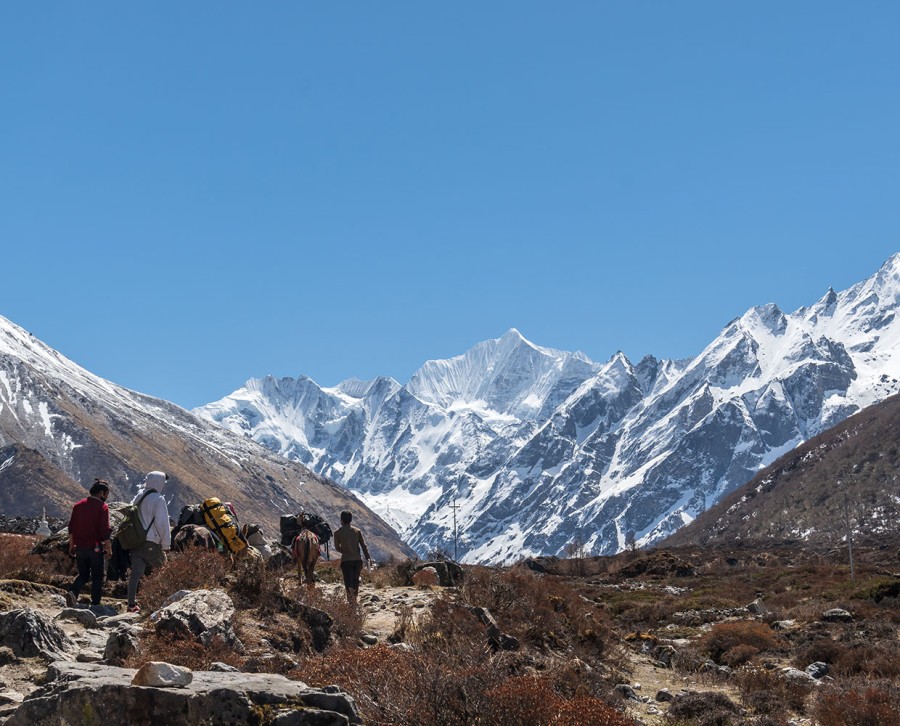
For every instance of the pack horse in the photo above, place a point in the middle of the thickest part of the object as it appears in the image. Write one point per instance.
(305, 551)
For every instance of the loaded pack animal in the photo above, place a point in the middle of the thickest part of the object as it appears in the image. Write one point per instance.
(193, 535)
(305, 552)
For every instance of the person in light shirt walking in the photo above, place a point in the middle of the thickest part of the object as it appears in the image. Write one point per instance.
(154, 516)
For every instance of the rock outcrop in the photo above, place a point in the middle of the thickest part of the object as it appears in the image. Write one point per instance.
(91, 693)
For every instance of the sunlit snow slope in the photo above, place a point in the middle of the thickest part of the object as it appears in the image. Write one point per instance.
(540, 448)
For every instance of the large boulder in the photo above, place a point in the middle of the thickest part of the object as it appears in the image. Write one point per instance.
(30, 634)
(201, 614)
(92, 693)
(121, 643)
(449, 574)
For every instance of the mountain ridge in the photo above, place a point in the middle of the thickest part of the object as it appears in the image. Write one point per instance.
(61, 426)
(539, 448)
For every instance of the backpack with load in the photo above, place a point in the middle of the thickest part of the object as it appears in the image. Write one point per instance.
(219, 520)
(190, 514)
(291, 524)
(131, 534)
(316, 524)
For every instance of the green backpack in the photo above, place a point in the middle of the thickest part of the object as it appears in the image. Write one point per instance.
(130, 533)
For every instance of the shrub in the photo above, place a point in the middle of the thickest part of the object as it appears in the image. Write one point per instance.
(723, 637)
(870, 704)
(769, 693)
(532, 700)
(874, 660)
(253, 585)
(182, 571)
(739, 655)
(183, 652)
(706, 708)
(540, 611)
(18, 563)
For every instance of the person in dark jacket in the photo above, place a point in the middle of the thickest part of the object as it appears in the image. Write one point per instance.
(348, 540)
(89, 541)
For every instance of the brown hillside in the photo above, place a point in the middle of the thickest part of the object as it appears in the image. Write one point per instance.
(846, 475)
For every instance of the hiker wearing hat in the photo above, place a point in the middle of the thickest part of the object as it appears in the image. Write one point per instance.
(89, 533)
(348, 540)
(154, 516)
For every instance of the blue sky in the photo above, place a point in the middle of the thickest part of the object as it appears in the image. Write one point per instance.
(193, 194)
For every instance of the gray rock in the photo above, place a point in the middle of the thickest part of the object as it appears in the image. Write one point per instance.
(837, 615)
(449, 574)
(793, 674)
(818, 669)
(103, 611)
(121, 643)
(29, 634)
(82, 616)
(9, 696)
(201, 614)
(783, 624)
(7, 656)
(162, 675)
(368, 639)
(219, 667)
(106, 693)
(497, 639)
(664, 695)
(627, 691)
(757, 607)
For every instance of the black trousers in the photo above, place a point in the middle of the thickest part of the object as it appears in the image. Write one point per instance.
(351, 571)
(90, 567)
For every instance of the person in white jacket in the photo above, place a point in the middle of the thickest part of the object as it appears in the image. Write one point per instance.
(154, 516)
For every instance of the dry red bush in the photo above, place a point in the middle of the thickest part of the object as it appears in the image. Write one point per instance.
(532, 700)
(17, 563)
(182, 571)
(723, 637)
(872, 704)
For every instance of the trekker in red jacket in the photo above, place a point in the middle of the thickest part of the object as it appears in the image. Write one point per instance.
(89, 533)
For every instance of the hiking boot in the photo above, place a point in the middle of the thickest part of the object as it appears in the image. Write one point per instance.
(134, 608)
(71, 599)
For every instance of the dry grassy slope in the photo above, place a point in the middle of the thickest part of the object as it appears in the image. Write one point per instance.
(122, 446)
(852, 469)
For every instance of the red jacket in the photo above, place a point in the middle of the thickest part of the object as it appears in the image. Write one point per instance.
(89, 523)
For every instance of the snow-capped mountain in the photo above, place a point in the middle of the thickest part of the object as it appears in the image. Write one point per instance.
(533, 449)
(61, 426)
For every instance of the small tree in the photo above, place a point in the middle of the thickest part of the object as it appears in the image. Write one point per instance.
(630, 541)
(575, 551)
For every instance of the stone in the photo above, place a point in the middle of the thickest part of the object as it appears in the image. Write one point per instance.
(425, 577)
(106, 693)
(783, 624)
(793, 674)
(757, 607)
(219, 667)
(368, 639)
(837, 615)
(664, 695)
(29, 634)
(627, 691)
(11, 697)
(200, 614)
(82, 616)
(7, 656)
(121, 643)
(817, 670)
(449, 574)
(162, 675)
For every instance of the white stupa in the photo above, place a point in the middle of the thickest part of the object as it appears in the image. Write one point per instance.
(43, 529)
